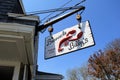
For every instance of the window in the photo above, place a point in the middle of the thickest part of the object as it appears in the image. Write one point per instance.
(6, 72)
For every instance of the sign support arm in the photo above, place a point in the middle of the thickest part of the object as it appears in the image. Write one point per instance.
(45, 25)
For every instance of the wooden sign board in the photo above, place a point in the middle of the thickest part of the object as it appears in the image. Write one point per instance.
(69, 40)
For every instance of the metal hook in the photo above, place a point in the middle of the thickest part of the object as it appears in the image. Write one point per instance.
(79, 18)
(50, 29)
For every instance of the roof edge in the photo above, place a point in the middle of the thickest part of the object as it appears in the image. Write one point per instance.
(23, 16)
(22, 6)
(51, 74)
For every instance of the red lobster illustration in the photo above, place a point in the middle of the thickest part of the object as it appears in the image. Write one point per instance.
(69, 38)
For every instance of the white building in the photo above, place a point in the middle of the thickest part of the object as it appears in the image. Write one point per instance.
(19, 44)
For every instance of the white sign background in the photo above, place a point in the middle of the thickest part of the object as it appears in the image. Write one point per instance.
(62, 43)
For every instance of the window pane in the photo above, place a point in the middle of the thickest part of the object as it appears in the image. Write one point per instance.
(6, 73)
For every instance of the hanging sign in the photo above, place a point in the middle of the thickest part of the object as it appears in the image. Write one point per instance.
(68, 40)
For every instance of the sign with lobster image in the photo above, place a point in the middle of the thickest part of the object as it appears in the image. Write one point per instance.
(69, 40)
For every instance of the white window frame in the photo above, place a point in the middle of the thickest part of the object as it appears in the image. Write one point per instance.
(16, 66)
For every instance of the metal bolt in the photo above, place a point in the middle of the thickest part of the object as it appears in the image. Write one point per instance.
(78, 17)
(50, 29)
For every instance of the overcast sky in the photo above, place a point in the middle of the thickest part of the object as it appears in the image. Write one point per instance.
(104, 17)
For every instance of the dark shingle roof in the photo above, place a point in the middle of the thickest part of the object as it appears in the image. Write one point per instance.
(9, 6)
(48, 76)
